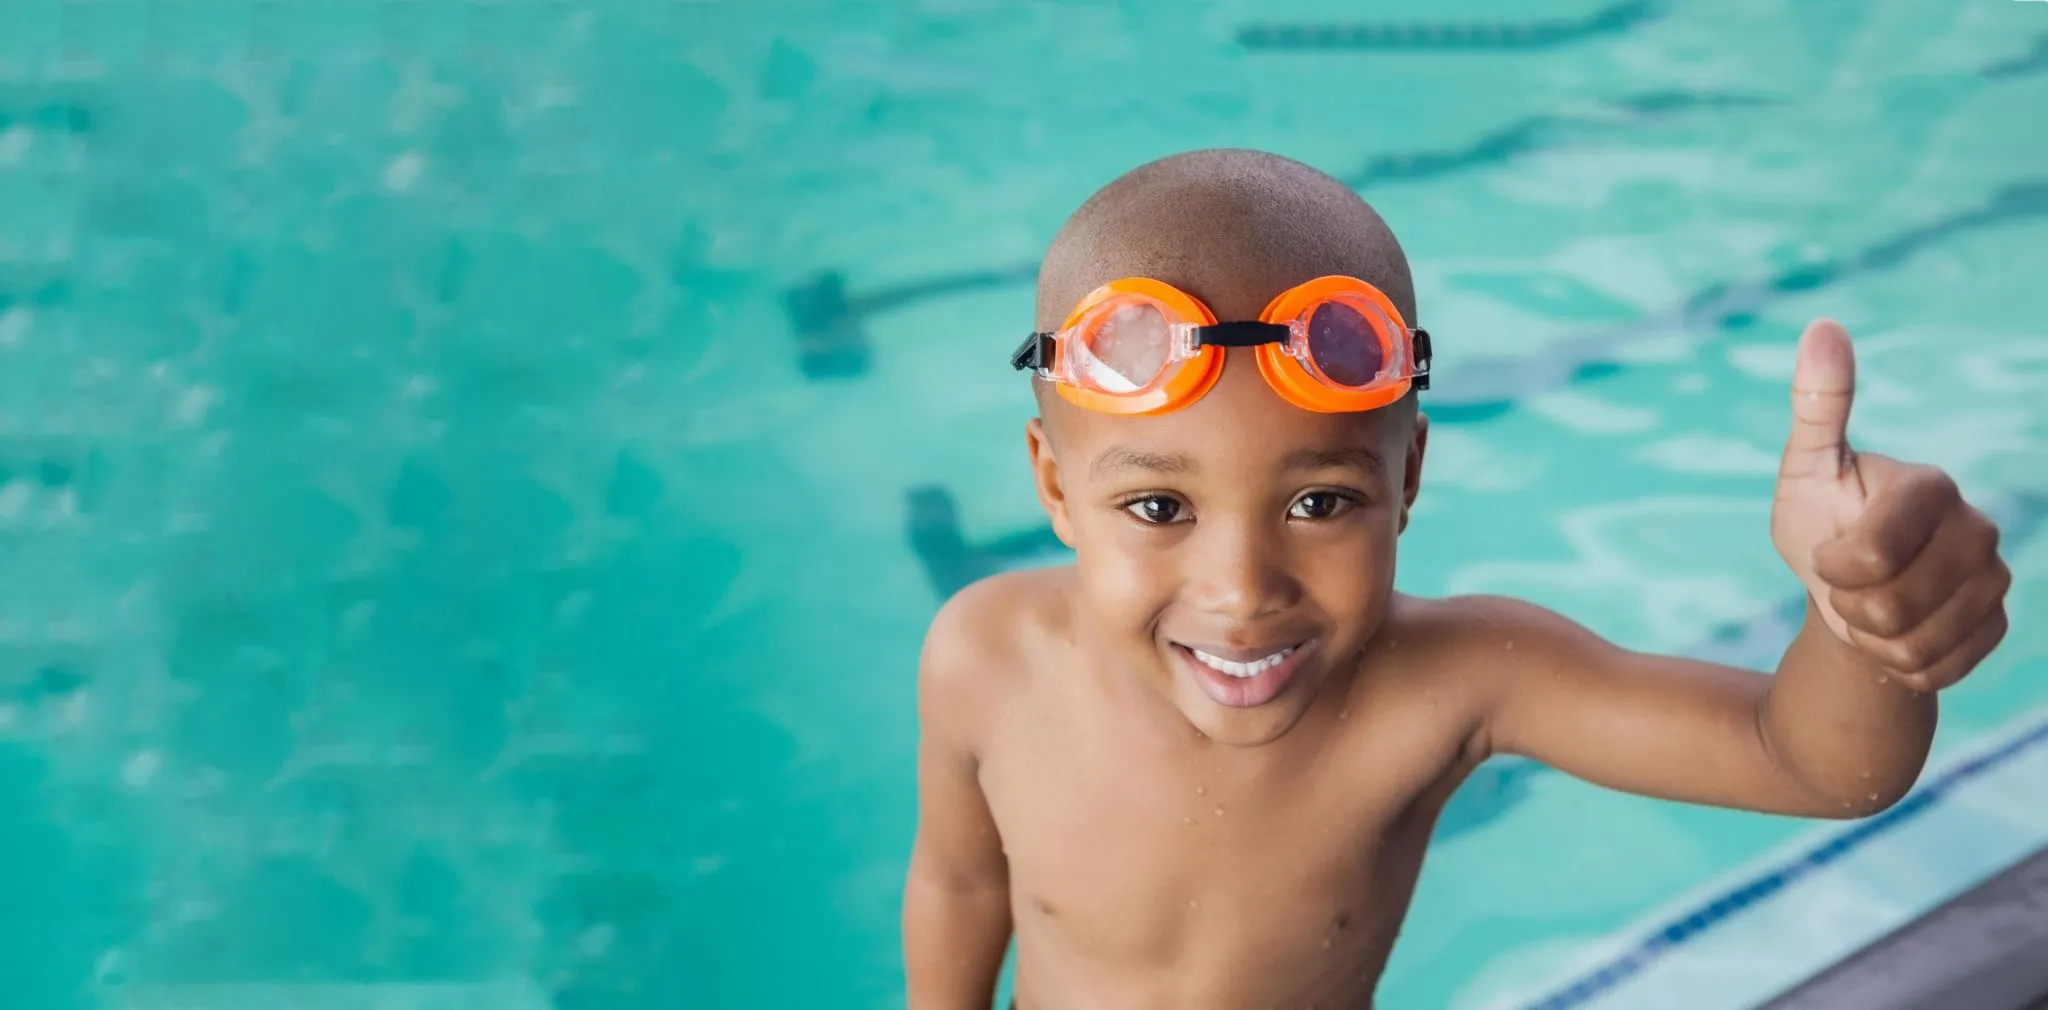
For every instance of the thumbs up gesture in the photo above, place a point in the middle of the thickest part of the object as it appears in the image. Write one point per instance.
(1898, 564)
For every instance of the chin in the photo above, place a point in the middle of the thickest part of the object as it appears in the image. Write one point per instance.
(1241, 727)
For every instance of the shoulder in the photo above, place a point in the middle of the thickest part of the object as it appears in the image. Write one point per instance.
(1480, 620)
(1486, 638)
(1496, 654)
(985, 641)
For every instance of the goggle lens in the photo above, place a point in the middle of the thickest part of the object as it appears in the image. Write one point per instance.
(1127, 349)
(1345, 345)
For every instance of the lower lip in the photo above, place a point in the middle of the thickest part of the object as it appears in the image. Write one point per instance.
(1244, 692)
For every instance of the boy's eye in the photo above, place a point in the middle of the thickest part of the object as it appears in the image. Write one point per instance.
(1319, 505)
(1158, 511)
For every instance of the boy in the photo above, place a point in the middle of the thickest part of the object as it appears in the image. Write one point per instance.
(1199, 767)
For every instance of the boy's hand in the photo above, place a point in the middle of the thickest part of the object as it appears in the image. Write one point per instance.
(1900, 567)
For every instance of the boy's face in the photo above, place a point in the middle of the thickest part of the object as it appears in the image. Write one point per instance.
(1213, 540)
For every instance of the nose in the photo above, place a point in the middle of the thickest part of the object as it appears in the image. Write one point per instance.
(1240, 572)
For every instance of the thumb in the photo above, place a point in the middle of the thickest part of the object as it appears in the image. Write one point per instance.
(1823, 384)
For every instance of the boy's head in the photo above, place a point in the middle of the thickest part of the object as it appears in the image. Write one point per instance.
(1217, 536)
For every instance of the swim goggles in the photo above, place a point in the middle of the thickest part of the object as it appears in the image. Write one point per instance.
(1142, 347)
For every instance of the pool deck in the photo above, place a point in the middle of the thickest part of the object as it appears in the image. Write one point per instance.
(1985, 950)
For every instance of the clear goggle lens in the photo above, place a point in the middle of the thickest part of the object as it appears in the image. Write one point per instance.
(1126, 349)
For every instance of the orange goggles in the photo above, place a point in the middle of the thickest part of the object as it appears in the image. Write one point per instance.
(1142, 347)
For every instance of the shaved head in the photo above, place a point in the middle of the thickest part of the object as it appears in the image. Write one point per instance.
(1231, 227)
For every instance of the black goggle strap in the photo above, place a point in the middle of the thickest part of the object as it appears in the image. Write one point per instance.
(1036, 351)
(1241, 334)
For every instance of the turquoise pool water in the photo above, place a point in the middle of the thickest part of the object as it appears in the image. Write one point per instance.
(474, 476)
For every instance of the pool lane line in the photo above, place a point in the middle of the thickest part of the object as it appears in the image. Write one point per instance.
(1486, 37)
(2033, 61)
(1486, 388)
(833, 344)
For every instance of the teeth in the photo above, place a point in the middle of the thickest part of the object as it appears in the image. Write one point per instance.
(1242, 670)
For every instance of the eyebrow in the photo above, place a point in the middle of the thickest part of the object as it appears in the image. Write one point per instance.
(1334, 459)
(1126, 458)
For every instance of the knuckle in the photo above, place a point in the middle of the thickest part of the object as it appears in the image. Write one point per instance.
(1921, 682)
(1882, 614)
(1936, 485)
(1909, 655)
(1871, 557)
(1984, 541)
(2001, 622)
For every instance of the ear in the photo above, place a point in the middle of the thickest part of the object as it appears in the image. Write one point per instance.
(1045, 473)
(1411, 472)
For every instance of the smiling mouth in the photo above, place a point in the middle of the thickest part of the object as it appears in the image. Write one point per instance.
(1243, 678)
(1242, 670)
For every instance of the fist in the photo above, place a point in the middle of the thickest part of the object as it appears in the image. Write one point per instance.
(1898, 564)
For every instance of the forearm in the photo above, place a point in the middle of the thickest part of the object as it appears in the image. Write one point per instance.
(1853, 736)
(954, 938)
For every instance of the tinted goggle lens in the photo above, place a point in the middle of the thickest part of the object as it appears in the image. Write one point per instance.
(1348, 344)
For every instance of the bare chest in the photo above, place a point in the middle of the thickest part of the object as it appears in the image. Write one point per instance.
(1129, 858)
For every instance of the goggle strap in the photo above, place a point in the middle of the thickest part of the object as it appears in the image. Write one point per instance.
(1245, 334)
(1035, 353)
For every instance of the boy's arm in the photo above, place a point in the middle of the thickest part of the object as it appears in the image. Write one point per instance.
(1832, 735)
(1905, 596)
(956, 902)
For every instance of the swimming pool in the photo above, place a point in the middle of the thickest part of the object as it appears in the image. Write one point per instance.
(474, 476)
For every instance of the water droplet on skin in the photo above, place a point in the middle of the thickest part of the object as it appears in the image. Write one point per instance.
(1511, 645)
(1866, 773)
(1190, 820)
(1873, 796)
(1192, 903)
(1219, 811)
(1326, 943)
(1883, 679)
(1204, 790)
(1343, 713)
